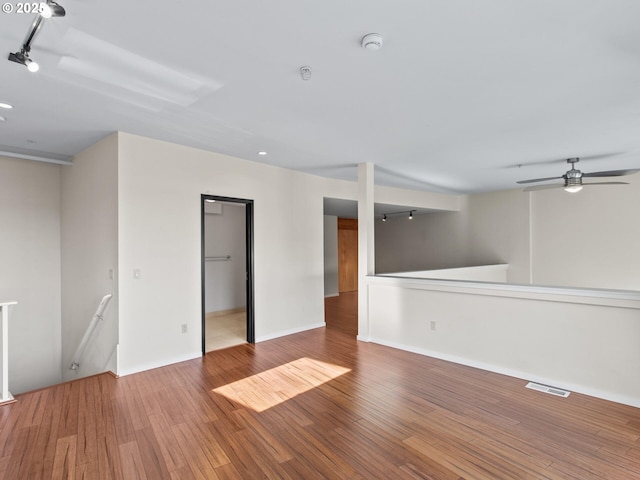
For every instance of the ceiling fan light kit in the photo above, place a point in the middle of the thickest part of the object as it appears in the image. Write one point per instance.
(573, 178)
(573, 188)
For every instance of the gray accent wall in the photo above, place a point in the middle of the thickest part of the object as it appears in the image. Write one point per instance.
(330, 256)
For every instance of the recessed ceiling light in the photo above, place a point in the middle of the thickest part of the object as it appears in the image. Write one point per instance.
(5, 105)
(262, 152)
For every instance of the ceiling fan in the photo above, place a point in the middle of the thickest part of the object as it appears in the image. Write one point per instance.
(573, 178)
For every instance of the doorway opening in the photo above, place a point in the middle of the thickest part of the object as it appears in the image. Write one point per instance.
(341, 265)
(227, 272)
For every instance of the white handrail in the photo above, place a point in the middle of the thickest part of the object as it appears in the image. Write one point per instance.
(75, 361)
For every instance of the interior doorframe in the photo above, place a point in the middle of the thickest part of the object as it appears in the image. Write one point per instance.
(251, 335)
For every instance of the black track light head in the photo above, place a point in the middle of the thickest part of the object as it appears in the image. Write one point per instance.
(22, 57)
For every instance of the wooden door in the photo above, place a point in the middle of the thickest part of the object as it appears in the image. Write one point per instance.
(347, 254)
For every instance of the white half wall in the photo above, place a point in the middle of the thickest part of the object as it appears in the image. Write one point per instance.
(30, 270)
(90, 256)
(583, 341)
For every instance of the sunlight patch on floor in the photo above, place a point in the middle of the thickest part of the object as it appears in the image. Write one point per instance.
(272, 387)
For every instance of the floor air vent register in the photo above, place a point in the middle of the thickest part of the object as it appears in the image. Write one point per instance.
(558, 392)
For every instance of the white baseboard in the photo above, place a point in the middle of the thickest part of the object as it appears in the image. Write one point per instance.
(160, 363)
(583, 389)
(291, 331)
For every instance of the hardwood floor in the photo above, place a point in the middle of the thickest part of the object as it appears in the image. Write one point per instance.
(341, 313)
(314, 405)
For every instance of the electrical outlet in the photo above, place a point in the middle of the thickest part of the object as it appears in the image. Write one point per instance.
(184, 328)
(433, 325)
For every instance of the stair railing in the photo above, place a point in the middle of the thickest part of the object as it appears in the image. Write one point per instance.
(97, 318)
(5, 395)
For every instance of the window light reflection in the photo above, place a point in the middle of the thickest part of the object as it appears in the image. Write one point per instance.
(272, 387)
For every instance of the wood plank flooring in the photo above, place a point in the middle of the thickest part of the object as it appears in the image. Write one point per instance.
(341, 312)
(337, 409)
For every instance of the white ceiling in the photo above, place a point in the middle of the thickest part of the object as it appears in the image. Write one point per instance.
(460, 95)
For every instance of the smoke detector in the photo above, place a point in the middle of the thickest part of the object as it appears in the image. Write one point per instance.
(305, 73)
(372, 41)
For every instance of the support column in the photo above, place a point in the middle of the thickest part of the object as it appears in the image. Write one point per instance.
(366, 244)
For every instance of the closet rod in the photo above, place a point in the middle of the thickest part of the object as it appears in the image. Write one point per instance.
(222, 258)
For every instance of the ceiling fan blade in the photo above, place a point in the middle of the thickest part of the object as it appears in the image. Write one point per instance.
(604, 183)
(539, 180)
(564, 160)
(548, 187)
(612, 173)
(543, 187)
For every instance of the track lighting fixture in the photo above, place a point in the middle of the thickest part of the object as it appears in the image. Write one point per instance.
(52, 9)
(22, 57)
(410, 212)
(48, 9)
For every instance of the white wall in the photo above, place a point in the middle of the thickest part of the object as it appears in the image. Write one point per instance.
(89, 252)
(484, 273)
(499, 232)
(330, 256)
(548, 237)
(30, 270)
(225, 281)
(159, 233)
(589, 239)
(418, 198)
